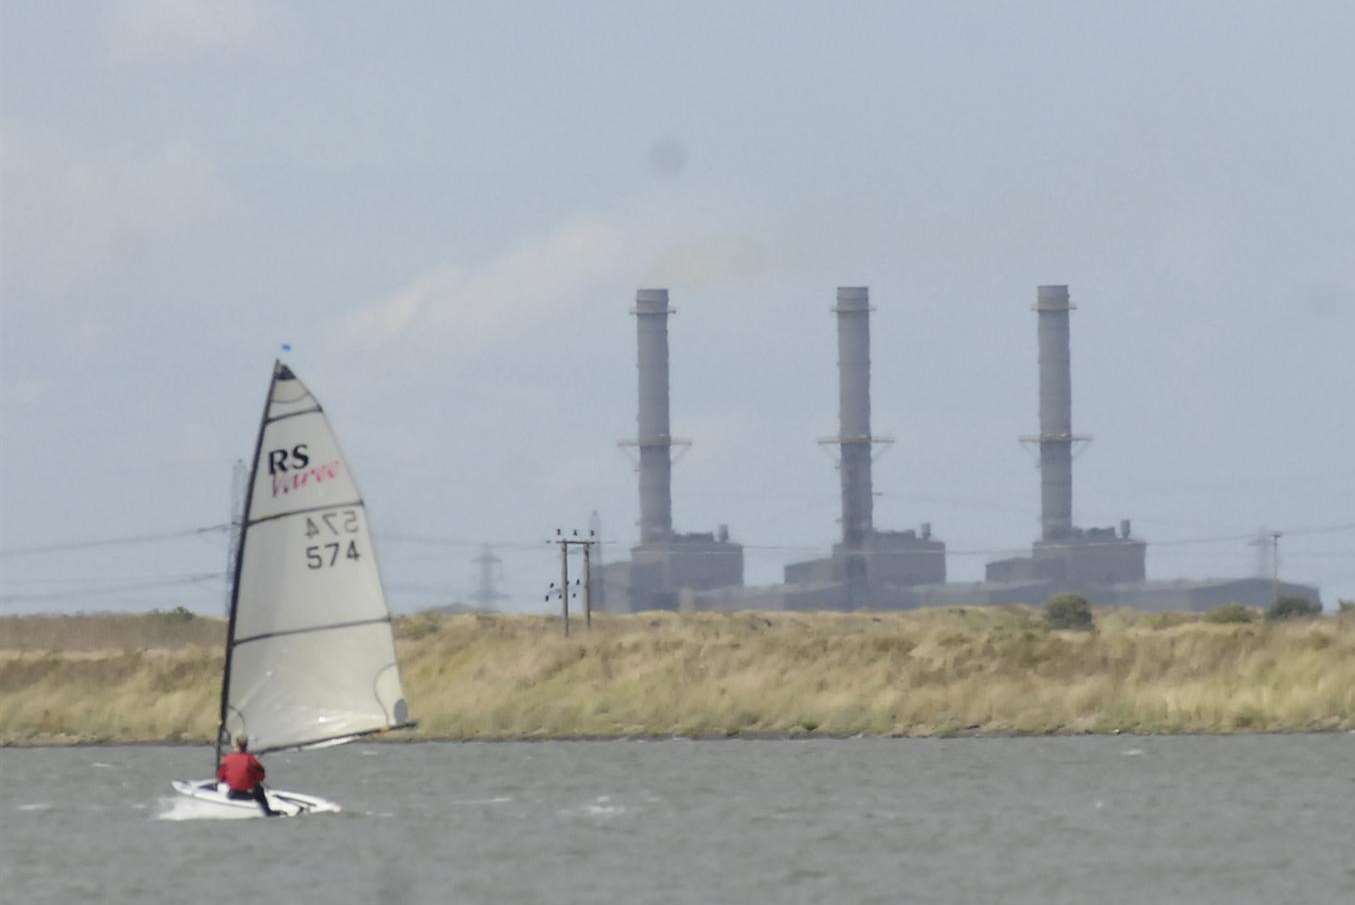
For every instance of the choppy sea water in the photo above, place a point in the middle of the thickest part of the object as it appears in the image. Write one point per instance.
(1190, 819)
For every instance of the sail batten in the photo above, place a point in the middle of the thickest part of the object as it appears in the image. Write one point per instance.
(322, 743)
(294, 414)
(310, 654)
(314, 628)
(270, 518)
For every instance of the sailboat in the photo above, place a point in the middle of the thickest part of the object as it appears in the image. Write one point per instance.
(310, 656)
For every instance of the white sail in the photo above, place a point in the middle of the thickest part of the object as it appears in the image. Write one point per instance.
(311, 657)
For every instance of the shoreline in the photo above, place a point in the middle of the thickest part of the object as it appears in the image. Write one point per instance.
(745, 737)
(940, 673)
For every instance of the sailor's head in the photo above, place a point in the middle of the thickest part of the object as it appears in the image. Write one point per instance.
(242, 742)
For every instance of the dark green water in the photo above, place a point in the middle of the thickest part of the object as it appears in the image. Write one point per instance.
(1193, 820)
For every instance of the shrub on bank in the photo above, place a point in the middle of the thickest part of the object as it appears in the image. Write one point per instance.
(1068, 612)
(1293, 608)
(178, 614)
(1230, 613)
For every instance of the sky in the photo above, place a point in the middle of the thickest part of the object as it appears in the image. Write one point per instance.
(446, 209)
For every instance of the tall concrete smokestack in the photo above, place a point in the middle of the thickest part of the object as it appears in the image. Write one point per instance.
(853, 367)
(653, 437)
(1056, 414)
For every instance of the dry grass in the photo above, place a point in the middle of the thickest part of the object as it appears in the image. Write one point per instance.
(133, 631)
(927, 672)
(153, 676)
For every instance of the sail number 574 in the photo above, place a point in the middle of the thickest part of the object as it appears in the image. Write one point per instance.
(332, 525)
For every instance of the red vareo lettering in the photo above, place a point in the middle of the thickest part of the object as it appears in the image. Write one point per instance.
(288, 483)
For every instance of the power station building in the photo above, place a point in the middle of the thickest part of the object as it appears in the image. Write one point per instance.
(869, 568)
(665, 564)
(1065, 554)
(1106, 566)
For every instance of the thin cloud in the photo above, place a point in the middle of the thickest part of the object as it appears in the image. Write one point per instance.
(562, 271)
(71, 211)
(183, 30)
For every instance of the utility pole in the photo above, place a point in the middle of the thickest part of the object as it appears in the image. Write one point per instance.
(587, 589)
(1275, 564)
(595, 531)
(564, 582)
(564, 590)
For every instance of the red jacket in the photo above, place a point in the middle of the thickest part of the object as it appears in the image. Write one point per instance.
(241, 771)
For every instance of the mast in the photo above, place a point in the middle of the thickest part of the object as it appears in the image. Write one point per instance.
(239, 562)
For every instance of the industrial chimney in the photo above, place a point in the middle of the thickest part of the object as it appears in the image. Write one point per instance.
(653, 438)
(1056, 414)
(854, 439)
(869, 568)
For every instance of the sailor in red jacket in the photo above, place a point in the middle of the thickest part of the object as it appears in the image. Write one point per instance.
(244, 774)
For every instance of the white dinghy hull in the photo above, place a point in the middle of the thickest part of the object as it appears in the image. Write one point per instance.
(287, 804)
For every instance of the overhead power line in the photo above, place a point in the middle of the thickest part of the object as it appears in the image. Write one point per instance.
(111, 541)
(433, 541)
(109, 589)
(100, 580)
(532, 546)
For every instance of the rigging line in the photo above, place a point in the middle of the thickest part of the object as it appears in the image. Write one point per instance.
(113, 541)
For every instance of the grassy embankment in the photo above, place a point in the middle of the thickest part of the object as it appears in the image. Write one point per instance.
(928, 672)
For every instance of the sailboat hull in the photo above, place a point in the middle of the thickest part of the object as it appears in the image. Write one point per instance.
(213, 796)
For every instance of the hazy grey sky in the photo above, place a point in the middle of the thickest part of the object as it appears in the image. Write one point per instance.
(447, 208)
